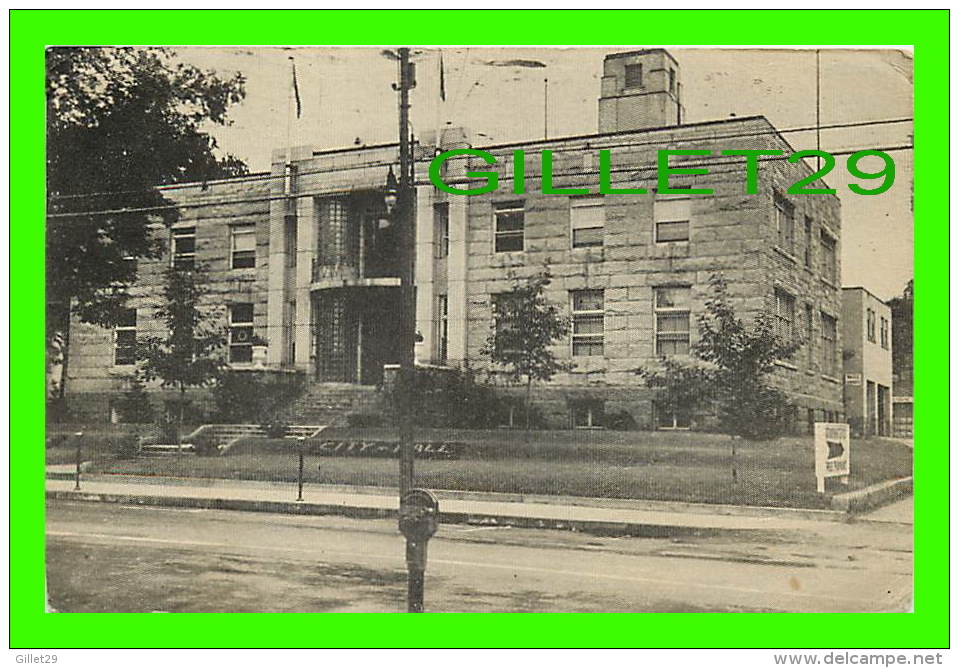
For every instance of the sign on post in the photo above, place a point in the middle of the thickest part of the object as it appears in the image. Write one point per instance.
(832, 453)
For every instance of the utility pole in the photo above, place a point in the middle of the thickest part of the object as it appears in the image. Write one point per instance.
(407, 320)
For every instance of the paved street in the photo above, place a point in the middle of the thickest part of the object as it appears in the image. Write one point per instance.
(105, 557)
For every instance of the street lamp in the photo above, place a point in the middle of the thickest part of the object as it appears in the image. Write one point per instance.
(390, 192)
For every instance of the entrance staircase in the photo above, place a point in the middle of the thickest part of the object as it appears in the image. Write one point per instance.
(332, 403)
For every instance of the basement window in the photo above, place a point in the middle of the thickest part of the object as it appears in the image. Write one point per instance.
(587, 413)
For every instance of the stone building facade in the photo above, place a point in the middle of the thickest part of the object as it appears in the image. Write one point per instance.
(631, 269)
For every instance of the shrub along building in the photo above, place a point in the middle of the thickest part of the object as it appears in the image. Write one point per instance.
(304, 259)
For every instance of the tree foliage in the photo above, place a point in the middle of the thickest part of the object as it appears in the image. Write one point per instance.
(902, 336)
(730, 376)
(525, 327)
(190, 355)
(120, 122)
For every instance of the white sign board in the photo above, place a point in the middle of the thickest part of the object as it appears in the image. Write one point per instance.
(832, 453)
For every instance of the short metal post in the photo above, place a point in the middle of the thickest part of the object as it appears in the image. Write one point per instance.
(416, 570)
(79, 436)
(299, 494)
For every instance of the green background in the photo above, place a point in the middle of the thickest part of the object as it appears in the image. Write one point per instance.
(31, 31)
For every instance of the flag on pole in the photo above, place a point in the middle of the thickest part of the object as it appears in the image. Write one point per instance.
(442, 79)
(296, 89)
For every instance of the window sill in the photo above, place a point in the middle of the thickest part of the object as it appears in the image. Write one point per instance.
(830, 379)
(786, 365)
(810, 372)
(826, 281)
(786, 254)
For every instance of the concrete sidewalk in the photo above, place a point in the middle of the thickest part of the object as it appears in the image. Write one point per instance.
(620, 516)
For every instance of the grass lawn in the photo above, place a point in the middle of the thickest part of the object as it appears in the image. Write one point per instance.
(676, 466)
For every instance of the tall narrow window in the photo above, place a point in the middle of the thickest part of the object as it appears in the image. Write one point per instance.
(871, 325)
(184, 248)
(672, 320)
(884, 333)
(807, 241)
(672, 80)
(442, 328)
(588, 322)
(810, 342)
(587, 220)
(290, 231)
(441, 230)
(509, 224)
(784, 223)
(241, 333)
(785, 314)
(634, 76)
(829, 341)
(125, 338)
(827, 254)
(243, 246)
(671, 214)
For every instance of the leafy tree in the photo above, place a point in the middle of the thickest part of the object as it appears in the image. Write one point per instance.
(525, 327)
(743, 357)
(733, 382)
(189, 355)
(902, 335)
(120, 121)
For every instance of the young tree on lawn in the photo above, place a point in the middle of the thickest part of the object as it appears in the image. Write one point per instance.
(525, 327)
(733, 384)
(120, 121)
(743, 357)
(190, 354)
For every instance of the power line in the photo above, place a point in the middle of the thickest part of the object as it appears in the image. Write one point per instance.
(719, 161)
(263, 176)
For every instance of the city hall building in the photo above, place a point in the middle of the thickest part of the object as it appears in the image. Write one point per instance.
(303, 264)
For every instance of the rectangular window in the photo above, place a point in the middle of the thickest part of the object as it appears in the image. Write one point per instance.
(671, 418)
(442, 328)
(243, 246)
(810, 347)
(784, 223)
(290, 246)
(785, 316)
(672, 320)
(807, 241)
(871, 325)
(125, 338)
(587, 220)
(827, 253)
(504, 310)
(829, 341)
(671, 214)
(588, 322)
(184, 248)
(672, 80)
(587, 413)
(441, 230)
(884, 333)
(241, 333)
(509, 227)
(634, 76)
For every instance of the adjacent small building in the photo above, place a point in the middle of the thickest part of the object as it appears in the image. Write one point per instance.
(867, 362)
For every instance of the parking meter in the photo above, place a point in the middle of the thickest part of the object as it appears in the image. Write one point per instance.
(418, 520)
